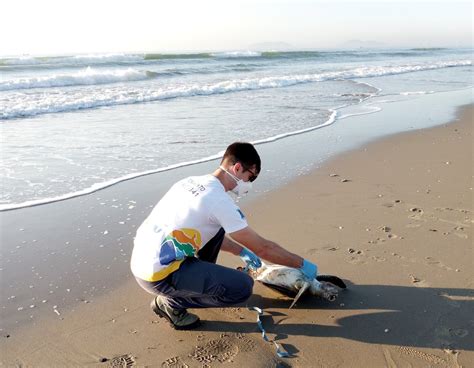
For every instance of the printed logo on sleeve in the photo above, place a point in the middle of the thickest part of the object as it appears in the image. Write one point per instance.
(242, 216)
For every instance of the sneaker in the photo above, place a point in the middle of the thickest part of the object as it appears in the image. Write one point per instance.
(179, 319)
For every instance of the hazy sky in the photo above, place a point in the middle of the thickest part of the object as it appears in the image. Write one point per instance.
(83, 26)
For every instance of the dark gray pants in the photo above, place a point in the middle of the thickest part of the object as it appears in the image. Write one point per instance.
(200, 283)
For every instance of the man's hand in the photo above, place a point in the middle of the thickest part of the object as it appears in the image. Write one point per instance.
(309, 269)
(250, 258)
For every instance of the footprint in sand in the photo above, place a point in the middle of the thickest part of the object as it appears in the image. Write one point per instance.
(234, 313)
(406, 357)
(223, 349)
(174, 362)
(121, 361)
(430, 358)
(244, 343)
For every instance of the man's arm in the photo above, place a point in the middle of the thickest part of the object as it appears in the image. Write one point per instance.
(228, 245)
(262, 247)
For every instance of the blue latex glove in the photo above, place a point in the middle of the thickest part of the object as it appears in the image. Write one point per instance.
(250, 258)
(309, 269)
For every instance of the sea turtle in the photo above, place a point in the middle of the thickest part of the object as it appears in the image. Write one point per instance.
(292, 282)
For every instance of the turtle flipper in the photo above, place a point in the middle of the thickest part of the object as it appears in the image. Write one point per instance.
(332, 279)
(300, 292)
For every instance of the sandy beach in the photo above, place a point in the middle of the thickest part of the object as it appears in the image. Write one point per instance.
(393, 218)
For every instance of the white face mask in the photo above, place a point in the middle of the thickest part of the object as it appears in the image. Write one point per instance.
(242, 187)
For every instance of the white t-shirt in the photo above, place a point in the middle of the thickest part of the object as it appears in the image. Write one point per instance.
(184, 220)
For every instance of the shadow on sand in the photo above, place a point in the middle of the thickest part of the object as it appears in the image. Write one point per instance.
(414, 316)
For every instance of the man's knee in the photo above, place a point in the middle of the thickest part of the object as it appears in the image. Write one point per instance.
(245, 288)
(249, 285)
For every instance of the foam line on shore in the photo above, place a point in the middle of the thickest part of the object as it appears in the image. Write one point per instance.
(372, 111)
(99, 186)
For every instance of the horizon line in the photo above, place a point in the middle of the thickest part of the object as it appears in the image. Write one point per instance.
(249, 49)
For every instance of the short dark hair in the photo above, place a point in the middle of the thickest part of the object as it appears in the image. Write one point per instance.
(243, 152)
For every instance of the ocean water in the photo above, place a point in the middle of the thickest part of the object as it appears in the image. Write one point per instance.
(71, 125)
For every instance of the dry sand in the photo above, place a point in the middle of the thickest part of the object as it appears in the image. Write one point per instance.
(394, 219)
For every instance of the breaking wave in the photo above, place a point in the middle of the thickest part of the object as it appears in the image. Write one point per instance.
(88, 76)
(24, 105)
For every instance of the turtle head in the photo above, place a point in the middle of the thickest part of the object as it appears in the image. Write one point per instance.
(324, 290)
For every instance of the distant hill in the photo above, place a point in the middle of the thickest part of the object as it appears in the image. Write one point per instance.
(270, 46)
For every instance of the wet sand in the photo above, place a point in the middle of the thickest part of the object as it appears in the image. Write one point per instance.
(393, 218)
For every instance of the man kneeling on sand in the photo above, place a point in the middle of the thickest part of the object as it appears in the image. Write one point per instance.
(176, 248)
